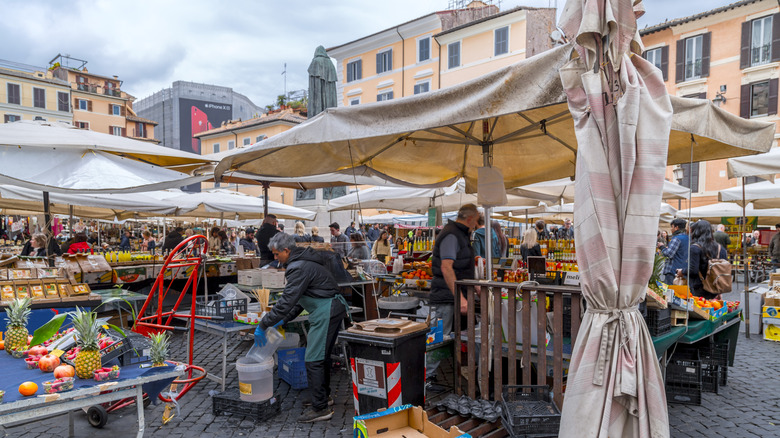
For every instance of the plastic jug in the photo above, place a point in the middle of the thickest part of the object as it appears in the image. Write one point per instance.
(261, 354)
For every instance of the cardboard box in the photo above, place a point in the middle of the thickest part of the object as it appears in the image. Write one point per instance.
(22, 289)
(3, 274)
(50, 273)
(772, 332)
(65, 290)
(51, 290)
(7, 291)
(250, 277)
(774, 302)
(774, 277)
(273, 279)
(388, 327)
(770, 312)
(81, 289)
(404, 421)
(93, 263)
(36, 290)
(244, 263)
(21, 273)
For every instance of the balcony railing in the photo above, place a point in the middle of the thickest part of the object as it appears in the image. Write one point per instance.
(89, 88)
(760, 55)
(490, 296)
(112, 92)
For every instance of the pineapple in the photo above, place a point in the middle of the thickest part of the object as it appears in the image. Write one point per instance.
(16, 319)
(658, 266)
(87, 329)
(159, 350)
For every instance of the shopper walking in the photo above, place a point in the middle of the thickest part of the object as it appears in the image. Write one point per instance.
(173, 239)
(311, 287)
(676, 252)
(80, 245)
(479, 240)
(124, 243)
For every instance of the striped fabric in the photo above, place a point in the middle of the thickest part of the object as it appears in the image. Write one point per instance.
(615, 387)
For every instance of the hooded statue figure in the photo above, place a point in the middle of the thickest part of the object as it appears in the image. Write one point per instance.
(322, 83)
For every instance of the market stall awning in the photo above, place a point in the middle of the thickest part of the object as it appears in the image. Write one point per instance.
(232, 205)
(518, 114)
(764, 166)
(97, 206)
(563, 189)
(765, 194)
(55, 157)
(728, 209)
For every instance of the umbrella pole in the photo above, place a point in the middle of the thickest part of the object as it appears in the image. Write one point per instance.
(745, 264)
(47, 225)
(265, 198)
(70, 220)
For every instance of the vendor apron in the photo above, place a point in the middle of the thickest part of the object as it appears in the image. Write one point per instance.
(319, 319)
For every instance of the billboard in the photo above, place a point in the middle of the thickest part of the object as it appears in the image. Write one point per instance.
(197, 116)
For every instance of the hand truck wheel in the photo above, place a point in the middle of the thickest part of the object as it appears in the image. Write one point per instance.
(97, 416)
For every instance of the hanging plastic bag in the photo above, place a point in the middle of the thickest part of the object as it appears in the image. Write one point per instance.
(480, 269)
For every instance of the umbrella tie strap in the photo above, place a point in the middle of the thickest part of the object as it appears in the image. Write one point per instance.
(608, 337)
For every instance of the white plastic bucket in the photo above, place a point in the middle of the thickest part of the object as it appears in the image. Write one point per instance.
(255, 380)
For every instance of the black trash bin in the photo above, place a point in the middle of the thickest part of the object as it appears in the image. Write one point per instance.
(387, 360)
(397, 303)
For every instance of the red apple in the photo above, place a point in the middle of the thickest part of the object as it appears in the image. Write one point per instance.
(48, 363)
(64, 371)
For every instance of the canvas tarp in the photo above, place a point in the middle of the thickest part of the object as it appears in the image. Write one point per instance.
(764, 194)
(714, 212)
(764, 166)
(437, 137)
(563, 189)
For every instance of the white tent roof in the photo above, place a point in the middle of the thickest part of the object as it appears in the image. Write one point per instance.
(564, 189)
(220, 201)
(763, 194)
(727, 209)
(55, 157)
(765, 166)
(384, 218)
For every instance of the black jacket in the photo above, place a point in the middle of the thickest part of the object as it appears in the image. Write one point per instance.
(249, 245)
(172, 240)
(700, 264)
(534, 251)
(463, 265)
(318, 239)
(53, 249)
(264, 235)
(306, 274)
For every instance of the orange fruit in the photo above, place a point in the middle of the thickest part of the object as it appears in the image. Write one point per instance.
(28, 388)
(2, 345)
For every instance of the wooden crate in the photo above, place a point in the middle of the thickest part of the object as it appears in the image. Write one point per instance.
(679, 318)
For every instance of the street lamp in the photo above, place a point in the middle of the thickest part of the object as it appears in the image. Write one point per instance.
(679, 174)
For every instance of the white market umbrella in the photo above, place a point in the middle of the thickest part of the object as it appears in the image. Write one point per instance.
(384, 218)
(727, 209)
(764, 194)
(225, 202)
(564, 190)
(764, 166)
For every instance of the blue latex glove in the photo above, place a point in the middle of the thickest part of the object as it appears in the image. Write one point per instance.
(278, 324)
(260, 338)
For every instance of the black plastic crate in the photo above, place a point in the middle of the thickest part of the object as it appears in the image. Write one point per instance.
(684, 382)
(117, 349)
(529, 410)
(717, 355)
(138, 351)
(223, 309)
(710, 377)
(659, 321)
(230, 402)
(566, 316)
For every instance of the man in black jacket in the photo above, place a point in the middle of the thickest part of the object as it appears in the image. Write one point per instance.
(248, 241)
(453, 259)
(173, 238)
(310, 286)
(264, 235)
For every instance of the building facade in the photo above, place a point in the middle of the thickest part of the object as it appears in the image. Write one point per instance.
(33, 95)
(189, 108)
(438, 50)
(730, 55)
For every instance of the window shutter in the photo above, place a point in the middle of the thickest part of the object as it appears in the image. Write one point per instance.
(679, 70)
(124, 132)
(744, 102)
(665, 62)
(111, 130)
(75, 104)
(775, 37)
(378, 63)
(705, 54)
(772, 109)
(391, 93)
(350, 76)
(359, 69)
(110, 109)
(89, 105)
(694, 177)
(702, 95)
(744, 51)
(390, 60)
(122, 111)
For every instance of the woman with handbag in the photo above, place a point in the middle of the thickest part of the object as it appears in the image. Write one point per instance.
(703, 249)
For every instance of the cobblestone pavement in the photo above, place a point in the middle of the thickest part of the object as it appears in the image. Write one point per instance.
(748, 407)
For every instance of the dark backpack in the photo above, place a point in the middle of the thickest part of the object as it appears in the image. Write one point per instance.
(718, 279)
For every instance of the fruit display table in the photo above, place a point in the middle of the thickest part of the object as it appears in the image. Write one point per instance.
(133, 382)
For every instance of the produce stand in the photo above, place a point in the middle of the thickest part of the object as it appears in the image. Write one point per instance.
(132, 383)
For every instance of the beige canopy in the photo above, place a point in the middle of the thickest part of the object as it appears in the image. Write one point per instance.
(517, 113)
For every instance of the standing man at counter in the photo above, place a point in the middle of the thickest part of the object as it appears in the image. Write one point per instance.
(248, 242)
(267, 231)
(453, 259)
(173, 239)
(339, 241)
(310, 286)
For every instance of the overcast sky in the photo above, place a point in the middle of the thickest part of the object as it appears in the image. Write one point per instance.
(242, 44)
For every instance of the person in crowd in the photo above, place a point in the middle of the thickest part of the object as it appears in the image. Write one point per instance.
(567, 231)
(530, 246)
(748, 239)
(234, 239)
(148, 243)
(299, 233)
(214, 241)
(189, 232)
(224, 243)
(665, 237)
(315, 235)
(124, 242)
(80, 245)
(703, 249)
(173, 239)
(248, 242)
(676, 252)
(92, 239)
(267, 231)
(350, 229)
(382, 250)
(359, 249)
(503, 241)
(756, 237)
(721, 236)
(280, 227)
(541, 230)
(479, 240)
(66, 244)
(373, 233)
(453, 259)
(552, 233)
(399, 243)
(39, 246)
(310, 286)
(774, 247)
(338, 240)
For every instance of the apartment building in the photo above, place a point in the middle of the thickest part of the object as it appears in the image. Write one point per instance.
(730, 55)
(438, 50)
(239, 134)
(98, 102)
(26, 93)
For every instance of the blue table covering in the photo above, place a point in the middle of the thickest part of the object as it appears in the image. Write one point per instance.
(14, 372)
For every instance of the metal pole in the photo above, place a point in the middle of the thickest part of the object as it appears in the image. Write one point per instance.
(266, 184)
(70, 220)
(745, 264)
(488, 231)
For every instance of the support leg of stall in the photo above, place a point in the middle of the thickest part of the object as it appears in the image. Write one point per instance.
(139, 403)
(745, 265)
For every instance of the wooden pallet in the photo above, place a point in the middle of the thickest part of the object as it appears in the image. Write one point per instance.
(679, 318)
(473, 426)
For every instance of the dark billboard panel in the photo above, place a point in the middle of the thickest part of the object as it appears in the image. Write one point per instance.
(198, 116)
